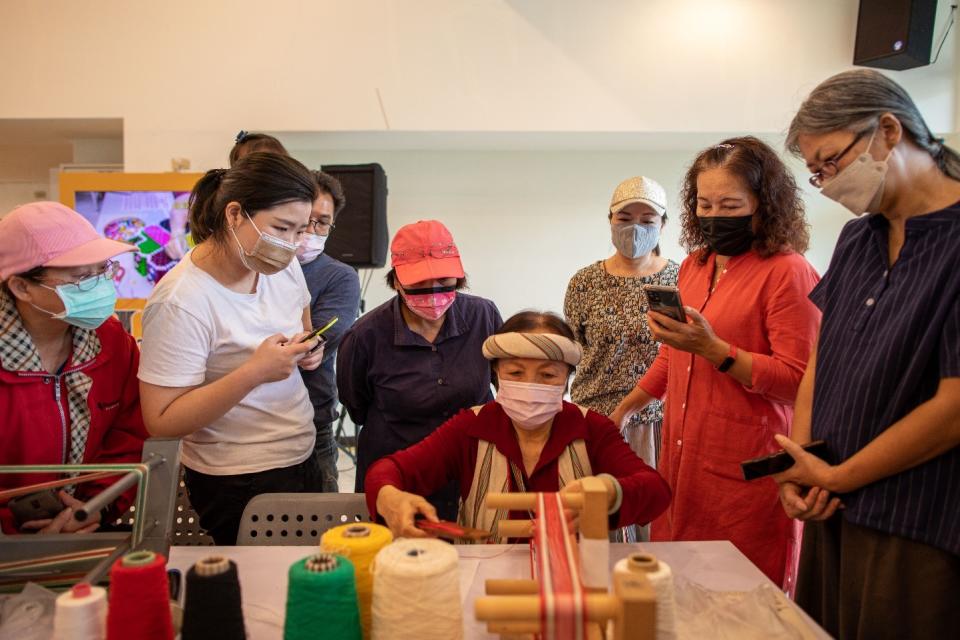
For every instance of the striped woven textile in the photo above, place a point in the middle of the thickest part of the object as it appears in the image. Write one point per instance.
(541, 346)
(557, 569)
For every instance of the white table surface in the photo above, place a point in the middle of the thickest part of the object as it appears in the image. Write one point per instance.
(263, 575)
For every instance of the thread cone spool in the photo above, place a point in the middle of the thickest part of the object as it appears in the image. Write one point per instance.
(81, 614)
(139, 604)
(661, 578)
(416, 591)
(322, 599)
(359, 542)
(213, 606)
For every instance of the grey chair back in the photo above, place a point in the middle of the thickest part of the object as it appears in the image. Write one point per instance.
(291, 519)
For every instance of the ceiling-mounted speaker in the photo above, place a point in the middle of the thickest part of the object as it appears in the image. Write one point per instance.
(894, 34)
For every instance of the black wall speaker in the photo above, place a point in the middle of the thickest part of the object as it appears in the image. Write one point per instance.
(360, 238)
(894, 34)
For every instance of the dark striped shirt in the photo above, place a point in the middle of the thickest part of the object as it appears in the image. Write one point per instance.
(889, 334)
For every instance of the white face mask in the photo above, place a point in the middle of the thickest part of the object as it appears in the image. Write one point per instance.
(311, 246)
(529, 405)
(859, 186)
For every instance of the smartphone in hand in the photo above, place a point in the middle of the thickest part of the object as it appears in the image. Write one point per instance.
(41, 505)
(665, 300)
(318, 333)
(779, 461)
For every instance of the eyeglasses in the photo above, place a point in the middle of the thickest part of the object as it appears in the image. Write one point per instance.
(88, 283)
(434, 251)
(319, 227)
(829, 168)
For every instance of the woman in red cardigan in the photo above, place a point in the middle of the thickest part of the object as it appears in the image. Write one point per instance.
(730, 374)
(528, 439)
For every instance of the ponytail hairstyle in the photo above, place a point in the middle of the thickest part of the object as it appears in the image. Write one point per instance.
(250, 142)
(854, 101)
(258, 181)
(780, 221)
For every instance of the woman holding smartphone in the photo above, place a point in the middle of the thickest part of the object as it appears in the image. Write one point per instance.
(730, 373)
(883, 385)
(223, 337)
(605, 307)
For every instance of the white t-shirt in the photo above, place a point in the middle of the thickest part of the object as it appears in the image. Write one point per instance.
(196, 331)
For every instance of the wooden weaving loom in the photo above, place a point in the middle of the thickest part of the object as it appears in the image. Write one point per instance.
(562, 601)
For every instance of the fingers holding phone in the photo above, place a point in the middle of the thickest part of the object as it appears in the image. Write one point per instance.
(314, 356)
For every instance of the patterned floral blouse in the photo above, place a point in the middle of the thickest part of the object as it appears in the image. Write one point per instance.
(606, 313)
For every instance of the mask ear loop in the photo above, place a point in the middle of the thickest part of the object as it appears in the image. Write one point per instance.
(244, 254)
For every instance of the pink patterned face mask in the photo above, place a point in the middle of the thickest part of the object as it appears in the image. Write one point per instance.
(430, 303)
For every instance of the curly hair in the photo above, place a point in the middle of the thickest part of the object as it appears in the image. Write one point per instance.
(780, 224)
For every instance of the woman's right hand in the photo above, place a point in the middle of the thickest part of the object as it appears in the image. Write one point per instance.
(276, 358)
(399, 509)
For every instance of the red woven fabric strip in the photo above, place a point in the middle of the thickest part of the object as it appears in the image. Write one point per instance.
(562, 614)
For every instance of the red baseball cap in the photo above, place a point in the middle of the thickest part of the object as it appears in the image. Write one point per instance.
(49, 234)
(424, 250)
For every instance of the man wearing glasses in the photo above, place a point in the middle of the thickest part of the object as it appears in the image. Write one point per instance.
(334, 293)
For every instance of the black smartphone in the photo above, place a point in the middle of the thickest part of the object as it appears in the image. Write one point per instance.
(779, 461)
(665, 300)
(318, 333)
(35, 506)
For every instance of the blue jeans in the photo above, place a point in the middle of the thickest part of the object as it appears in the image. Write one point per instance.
(325, 455)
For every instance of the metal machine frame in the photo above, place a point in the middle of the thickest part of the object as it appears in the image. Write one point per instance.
(64, 559)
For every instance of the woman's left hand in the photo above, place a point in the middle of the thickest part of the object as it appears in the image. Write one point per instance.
(576, 486)
(694, 336)
(312, 359)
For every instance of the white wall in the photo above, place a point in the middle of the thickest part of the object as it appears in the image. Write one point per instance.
(13, 194)
(185, 75)
(525, 221)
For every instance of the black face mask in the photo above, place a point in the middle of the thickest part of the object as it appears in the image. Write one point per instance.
(727, 236)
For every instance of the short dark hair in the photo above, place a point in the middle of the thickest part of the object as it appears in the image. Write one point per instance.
(781, 224)
(392, 282)
(258, 181)
(33, 275)
(329, 185)
(532, 320)
(252, 142)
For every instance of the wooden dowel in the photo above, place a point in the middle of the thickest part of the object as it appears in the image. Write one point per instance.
(501, 628)
(55, 484)
(528, 501)
(515, 528)
(496, 587)
(600, 608)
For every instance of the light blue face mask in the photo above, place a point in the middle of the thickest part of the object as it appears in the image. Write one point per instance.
(635, 240)
(85, 308)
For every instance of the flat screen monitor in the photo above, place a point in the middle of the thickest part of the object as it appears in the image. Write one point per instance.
(146, 210)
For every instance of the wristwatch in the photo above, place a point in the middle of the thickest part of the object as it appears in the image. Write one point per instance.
(724, 366)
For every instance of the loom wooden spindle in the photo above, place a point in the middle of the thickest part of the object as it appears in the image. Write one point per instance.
(637, 602)
(599, 608)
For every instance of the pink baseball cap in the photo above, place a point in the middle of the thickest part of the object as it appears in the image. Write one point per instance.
(424, 250)
(49, 234)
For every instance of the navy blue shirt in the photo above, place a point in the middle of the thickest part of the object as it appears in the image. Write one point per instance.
(401, 387)
(888, 336)
(334, 292)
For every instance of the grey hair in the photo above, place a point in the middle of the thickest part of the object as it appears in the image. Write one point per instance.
(854, 101)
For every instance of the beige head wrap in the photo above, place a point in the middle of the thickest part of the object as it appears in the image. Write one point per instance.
(541, 346)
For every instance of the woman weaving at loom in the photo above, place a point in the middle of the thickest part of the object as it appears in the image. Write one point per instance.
(528, 439)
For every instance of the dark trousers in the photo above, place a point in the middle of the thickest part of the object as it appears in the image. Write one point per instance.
(860, 583)
(446, 501)
(325, 456)
(220, 500)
